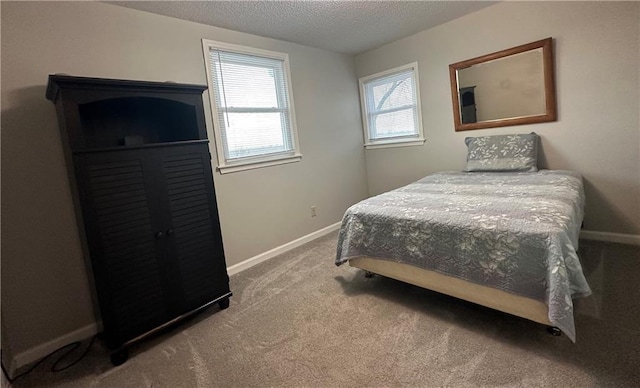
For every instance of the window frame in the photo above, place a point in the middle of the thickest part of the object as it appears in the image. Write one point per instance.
(259, 161)
(414, 140)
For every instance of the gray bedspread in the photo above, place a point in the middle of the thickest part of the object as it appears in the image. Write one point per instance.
(517, 232)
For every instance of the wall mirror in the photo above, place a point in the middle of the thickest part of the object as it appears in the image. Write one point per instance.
(509, 87)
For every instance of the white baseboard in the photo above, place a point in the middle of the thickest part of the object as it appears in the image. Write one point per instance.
(37, 352)
(281, 249)
(630, 239)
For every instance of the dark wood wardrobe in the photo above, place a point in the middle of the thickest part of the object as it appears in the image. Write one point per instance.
(140, 171)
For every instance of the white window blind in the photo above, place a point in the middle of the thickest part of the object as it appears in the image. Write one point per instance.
(391, 106)
(253, 107)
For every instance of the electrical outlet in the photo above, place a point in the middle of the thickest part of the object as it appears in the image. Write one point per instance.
(313, 211)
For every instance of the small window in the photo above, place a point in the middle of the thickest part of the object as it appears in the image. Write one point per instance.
(252, 106)
(391, 108)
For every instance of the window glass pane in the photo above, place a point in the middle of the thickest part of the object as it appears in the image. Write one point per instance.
(394, 124)
(397, 92)
(247, 86)
(252, 134)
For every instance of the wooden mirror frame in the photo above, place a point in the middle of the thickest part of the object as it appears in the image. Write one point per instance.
(549, 86)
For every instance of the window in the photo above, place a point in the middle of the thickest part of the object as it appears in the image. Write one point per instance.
(252, 106)
(391, 108)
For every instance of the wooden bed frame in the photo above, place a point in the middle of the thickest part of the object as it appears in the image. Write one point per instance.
(486, 296)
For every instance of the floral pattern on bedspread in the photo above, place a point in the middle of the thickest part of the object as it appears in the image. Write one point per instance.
(514, 231)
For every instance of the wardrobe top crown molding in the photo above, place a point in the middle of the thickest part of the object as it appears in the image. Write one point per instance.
(58, 81)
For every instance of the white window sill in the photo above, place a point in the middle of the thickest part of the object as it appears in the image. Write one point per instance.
(249, 165)
(396, 143)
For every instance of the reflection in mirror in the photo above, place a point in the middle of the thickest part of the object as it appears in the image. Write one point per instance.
(503, 88)
(510, 87)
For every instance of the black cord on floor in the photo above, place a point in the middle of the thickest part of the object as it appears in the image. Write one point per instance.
(55, 368)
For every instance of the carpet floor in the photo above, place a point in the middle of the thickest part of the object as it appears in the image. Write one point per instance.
(298, 320)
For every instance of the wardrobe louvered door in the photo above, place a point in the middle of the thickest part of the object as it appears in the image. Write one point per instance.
(193, 233)
(120, 210)
(153, 232)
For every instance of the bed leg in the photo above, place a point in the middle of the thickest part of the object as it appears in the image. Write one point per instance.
(368, 274)
(554, 331)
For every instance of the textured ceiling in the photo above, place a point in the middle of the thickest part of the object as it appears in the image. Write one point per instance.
(343, 26)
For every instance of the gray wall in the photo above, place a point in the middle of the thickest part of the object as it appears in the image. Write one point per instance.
(45, 290)
(597, 132)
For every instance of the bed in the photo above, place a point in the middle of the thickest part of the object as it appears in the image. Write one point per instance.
(505, 239)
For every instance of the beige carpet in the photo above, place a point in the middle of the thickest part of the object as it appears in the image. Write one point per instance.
(297, 320)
